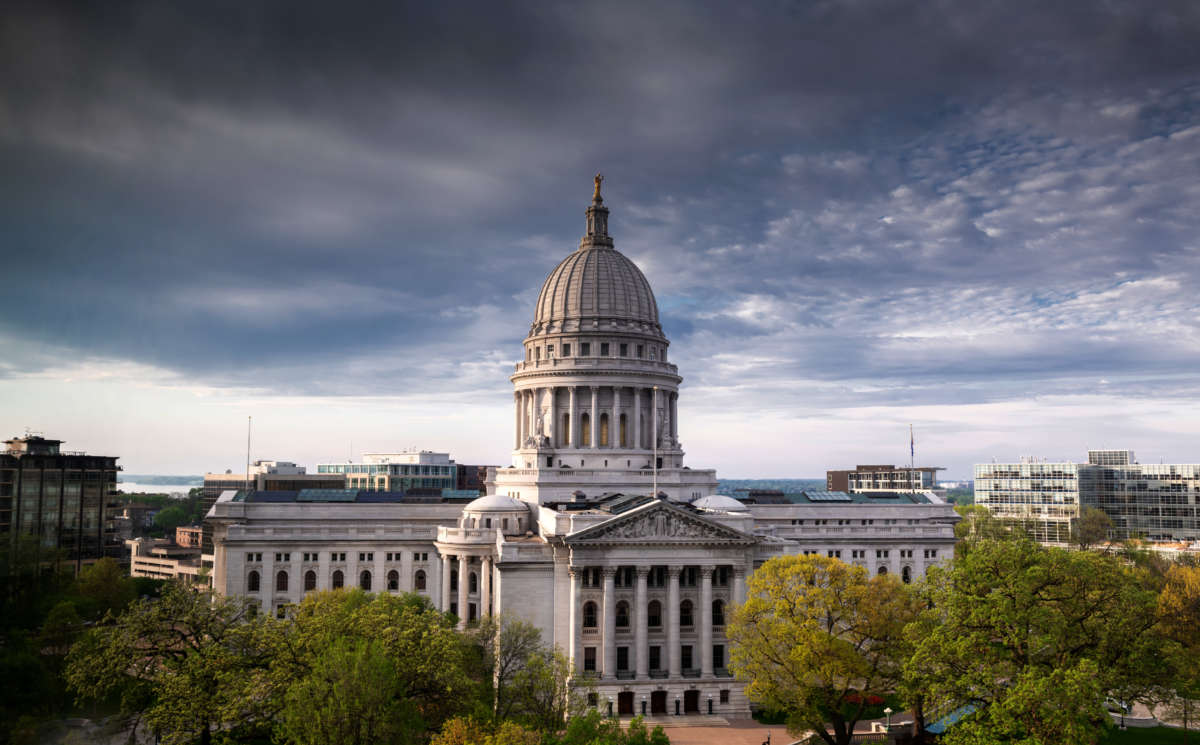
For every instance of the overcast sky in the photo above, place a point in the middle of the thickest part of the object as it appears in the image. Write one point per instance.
(980, 218)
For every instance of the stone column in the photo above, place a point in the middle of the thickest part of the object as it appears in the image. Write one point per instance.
(673, 620)
(517, 426)
(573, 422)
(595, 417)
(573, 631)
(485, 587)
(739, 585)
(608, 667)
(641, 625)
(637, 418)
(706, 666)
(614, 426)
(444, 600)
(464, 569)
(552, 425)
(674, 417)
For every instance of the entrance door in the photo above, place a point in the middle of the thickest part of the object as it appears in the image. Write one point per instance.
(625, 703)
(658, 702)
(691, 702)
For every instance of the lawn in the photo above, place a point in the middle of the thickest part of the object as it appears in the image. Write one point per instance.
(1149, 736)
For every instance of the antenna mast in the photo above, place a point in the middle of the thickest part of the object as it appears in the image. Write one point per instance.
(248, 421)
(654, 437)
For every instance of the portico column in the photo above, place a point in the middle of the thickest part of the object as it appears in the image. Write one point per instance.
(444, 600)
(637, 418)
(706, 666)
(614, 427)
(573, 632)
(463, 570)
(595, 417)
(552, 425)
(485, 587)
(517, 410)
(641, 625)
(739, 585)
(673, 620)
(609, 669)
(573, 420)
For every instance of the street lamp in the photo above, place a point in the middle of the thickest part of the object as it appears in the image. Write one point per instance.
(888, 713)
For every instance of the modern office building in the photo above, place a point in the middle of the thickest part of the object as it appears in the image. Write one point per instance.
(597, 533)
(399, 472)
(1157, 502)
(63, 497)
(883, 478)
(162, 559)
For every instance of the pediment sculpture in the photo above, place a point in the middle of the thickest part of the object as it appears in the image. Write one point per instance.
(660, 524)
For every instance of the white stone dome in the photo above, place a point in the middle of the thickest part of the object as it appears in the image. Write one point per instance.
(719, 503)
(596, 283)
(496, 503)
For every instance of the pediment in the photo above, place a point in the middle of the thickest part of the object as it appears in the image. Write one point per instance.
(659, 523)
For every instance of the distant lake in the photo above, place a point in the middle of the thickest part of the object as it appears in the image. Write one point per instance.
(130, 487)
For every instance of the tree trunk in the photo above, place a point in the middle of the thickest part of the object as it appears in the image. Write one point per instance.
(918, 724)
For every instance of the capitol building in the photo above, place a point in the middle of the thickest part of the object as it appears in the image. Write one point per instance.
(597, 533)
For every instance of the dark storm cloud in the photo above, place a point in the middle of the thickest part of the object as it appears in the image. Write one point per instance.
(926, 197)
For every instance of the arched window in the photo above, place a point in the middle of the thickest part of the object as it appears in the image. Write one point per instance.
(685, 613)
(472, 583)
(564, 437)
(453, 580)
(419, 580)
(718, 613)
(310, 580)
(364, 580)
(624, 437)
(604, 430)
(589, 615)
(882, 570)
(906, 574)
(622, 615)
(281, 581)
(393, 580)
(585, 430)
(654, 613)
(252, 582)
(339, 579)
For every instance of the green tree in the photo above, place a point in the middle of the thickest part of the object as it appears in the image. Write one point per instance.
(592, 728)
(506, 643)
(351, 695)
(1090, 528)
(104, 587)
(1035, 639)
(816, 637)
(171, 517)
(543, 693)
(177, 661)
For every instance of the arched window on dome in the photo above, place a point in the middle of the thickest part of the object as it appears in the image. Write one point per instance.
(623, 436)
(589, 615)
(604, 441)
(585, 430)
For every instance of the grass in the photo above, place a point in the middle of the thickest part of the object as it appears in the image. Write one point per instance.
(1149, 736)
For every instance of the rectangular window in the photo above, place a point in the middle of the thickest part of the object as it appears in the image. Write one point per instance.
(589, 659)
(718, 656)
(724, 695)
(641, 351)
(655, 658)
(603, 349)
(566, 350)
(622, 658)
(585, 349)
(624, 350)
(685, 656)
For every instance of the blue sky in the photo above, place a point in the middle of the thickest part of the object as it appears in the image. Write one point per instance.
(980, 218)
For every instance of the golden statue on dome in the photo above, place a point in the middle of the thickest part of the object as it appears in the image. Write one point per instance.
(596, 194)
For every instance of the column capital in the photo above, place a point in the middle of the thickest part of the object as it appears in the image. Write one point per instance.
(643, 572)
(608, 572)
(739, 571)
(673, 570)
(708, 569)
(595, 388)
